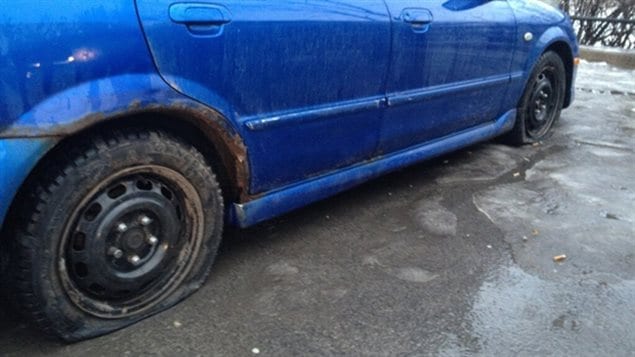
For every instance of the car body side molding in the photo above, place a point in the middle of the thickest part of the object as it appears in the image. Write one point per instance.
(400, 98)
(301, 117)
(393, 99)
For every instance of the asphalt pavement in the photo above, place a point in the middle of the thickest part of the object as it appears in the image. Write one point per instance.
(460, 255)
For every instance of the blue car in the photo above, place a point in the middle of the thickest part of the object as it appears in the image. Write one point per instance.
(131, 132)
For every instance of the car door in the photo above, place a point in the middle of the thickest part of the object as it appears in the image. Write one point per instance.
(450, 67)
(302, 81)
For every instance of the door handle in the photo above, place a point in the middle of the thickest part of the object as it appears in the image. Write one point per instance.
(418, 17)
(199, 14)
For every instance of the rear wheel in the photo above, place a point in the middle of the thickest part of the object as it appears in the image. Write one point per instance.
(541, 103)
(124, 226)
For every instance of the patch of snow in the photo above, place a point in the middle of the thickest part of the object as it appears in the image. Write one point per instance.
(602, 77)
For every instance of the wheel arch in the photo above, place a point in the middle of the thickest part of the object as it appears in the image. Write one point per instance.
(204, 128)
(197, 125)
(561, 40)
(200, 126)
(562, 49)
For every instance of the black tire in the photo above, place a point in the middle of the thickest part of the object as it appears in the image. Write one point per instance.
(541, 103)
(76, 271)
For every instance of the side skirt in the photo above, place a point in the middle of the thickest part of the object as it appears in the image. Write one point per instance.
(289, 198)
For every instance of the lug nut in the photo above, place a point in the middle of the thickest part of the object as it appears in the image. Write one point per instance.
(122, 227)
(145, 220)
(134, 259)
(153, 240)
(115, 252)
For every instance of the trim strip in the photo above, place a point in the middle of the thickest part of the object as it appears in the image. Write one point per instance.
(260, 123)
(419, 95)
(517, 75)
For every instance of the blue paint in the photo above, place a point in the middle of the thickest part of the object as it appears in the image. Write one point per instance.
(549, 26)
(295, 196)
(47, 50)
(324, 94)
(466, 46)
(17, 159)
(283, 60)
(100, 100)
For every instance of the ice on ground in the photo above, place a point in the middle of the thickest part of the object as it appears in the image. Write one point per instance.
(602, 77)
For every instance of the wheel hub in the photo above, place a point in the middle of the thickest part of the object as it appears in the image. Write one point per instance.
(542, 101)
(542, 105)
(134, 239)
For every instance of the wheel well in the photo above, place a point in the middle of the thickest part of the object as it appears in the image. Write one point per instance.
(566, 54)
(224, 152)
(220, 156)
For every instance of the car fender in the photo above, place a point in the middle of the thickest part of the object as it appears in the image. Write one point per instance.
(13, 172)
(552, 35)
(108, 100)
(529, 52)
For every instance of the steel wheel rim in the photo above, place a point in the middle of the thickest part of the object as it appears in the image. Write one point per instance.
(543, 103)
(165, 244)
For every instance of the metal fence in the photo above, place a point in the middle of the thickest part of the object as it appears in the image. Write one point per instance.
(602, 19)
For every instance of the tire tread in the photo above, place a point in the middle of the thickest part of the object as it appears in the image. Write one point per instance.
(28, 215)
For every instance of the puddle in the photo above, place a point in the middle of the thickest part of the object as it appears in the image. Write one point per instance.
(517, 313)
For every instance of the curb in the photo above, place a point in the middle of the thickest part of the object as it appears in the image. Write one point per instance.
(616, 57)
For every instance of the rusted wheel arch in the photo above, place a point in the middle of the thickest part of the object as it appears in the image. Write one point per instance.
(202, 127)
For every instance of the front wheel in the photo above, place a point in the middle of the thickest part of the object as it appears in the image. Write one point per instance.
(121, 227)
(541, 103)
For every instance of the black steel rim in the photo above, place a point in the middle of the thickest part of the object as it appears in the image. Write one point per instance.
(131, 242)
(543, 103)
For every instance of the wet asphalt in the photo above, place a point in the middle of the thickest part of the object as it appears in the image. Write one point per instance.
(450, 257)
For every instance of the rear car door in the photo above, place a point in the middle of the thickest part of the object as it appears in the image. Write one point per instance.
(450, 67)
(302, 81)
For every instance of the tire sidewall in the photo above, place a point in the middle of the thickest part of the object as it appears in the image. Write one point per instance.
(549, 58)
(75, 183)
